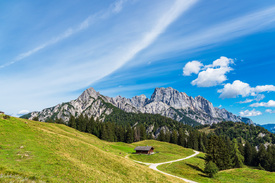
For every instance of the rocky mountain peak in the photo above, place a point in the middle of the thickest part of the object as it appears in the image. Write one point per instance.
(167, 102)
(88, 93)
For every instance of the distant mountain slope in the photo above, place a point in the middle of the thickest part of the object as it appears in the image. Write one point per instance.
(167, 102)
(45, 152)
(255, 135)
(269, 127)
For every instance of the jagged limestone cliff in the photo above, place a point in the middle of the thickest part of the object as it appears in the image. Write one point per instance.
(164, 101)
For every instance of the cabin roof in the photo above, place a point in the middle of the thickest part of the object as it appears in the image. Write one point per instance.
(143, 148)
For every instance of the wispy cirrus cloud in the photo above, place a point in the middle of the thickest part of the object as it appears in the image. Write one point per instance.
(75, 67)
(270, 111)
(114, 8)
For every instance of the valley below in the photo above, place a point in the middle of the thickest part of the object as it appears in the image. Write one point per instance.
(32, 151)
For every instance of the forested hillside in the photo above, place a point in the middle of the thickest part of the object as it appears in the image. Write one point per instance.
(255, 135)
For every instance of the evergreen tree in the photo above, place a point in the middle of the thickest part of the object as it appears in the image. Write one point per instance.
(71, 122)
(181, 138)
(261, 156)
(59, 121)
(248, 154)
(174, 138)
(211, 169)
(90, 125)
(129, 135)
(142, 132)
(201, 144)
(212, 149)
(167, 136)
(237, 157)
(161, 136)
(104, 133)
(81, 124)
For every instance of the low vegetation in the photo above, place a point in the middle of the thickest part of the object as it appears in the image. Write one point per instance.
(163, 152)
(47, 152)
(193, 169)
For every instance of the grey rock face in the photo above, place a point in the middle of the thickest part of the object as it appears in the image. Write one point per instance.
(164, 101)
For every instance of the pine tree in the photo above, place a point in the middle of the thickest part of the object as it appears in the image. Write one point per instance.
(201, 144)
(81, 125)
(71, 122)
(129, 135)
(104, 133)
(211, 169)
(181, 138)
(248, 154)
(142, 132)
(161, 136)
(167, 136)
(212, 149)
(174, 138)
(90, 125)
(237, 157)
(261, 156)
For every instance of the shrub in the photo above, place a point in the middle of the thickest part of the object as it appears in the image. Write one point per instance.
(6, 117)
(35, 118)
(211, 169)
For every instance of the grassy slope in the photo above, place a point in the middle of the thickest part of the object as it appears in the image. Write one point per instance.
(55, 153)
(193, 169)
(165, 152)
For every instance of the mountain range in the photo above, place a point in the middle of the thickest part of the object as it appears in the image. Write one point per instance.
(269, 127)
(167, 102)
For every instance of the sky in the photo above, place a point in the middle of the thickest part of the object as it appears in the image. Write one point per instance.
(51, 51)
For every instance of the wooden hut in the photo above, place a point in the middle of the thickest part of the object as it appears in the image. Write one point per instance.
(144, 149)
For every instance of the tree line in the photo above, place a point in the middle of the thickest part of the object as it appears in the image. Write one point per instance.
(221, 152)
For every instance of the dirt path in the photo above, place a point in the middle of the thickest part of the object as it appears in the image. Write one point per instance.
(154, 166)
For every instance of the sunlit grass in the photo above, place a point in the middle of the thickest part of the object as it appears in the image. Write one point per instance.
(47, 152)
(163, 152)
(192, 169)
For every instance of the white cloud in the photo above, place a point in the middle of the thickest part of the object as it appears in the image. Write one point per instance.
(250, 113)
(221, 62)
(240, 88)
(211, 75)
(192, 67)
(236, 88)
(264, 88)
(259, 97)
(246, 101)
(270, 103)
(270, 111)
(24, 111)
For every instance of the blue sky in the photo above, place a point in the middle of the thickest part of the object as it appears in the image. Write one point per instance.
(222, 50)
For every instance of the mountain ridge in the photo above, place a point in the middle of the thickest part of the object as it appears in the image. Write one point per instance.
(167, 102)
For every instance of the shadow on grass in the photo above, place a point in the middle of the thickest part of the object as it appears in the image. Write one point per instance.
(201, 157)
(202, 175)
(195, 167)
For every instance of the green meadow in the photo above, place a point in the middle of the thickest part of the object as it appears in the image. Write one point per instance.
(192, 169)
(45, 152)
(163, 152)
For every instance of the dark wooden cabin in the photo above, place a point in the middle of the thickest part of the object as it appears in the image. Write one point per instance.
(144, 149)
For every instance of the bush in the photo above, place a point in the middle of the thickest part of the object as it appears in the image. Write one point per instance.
(6, 117)
(35, 118)
(211, 169)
